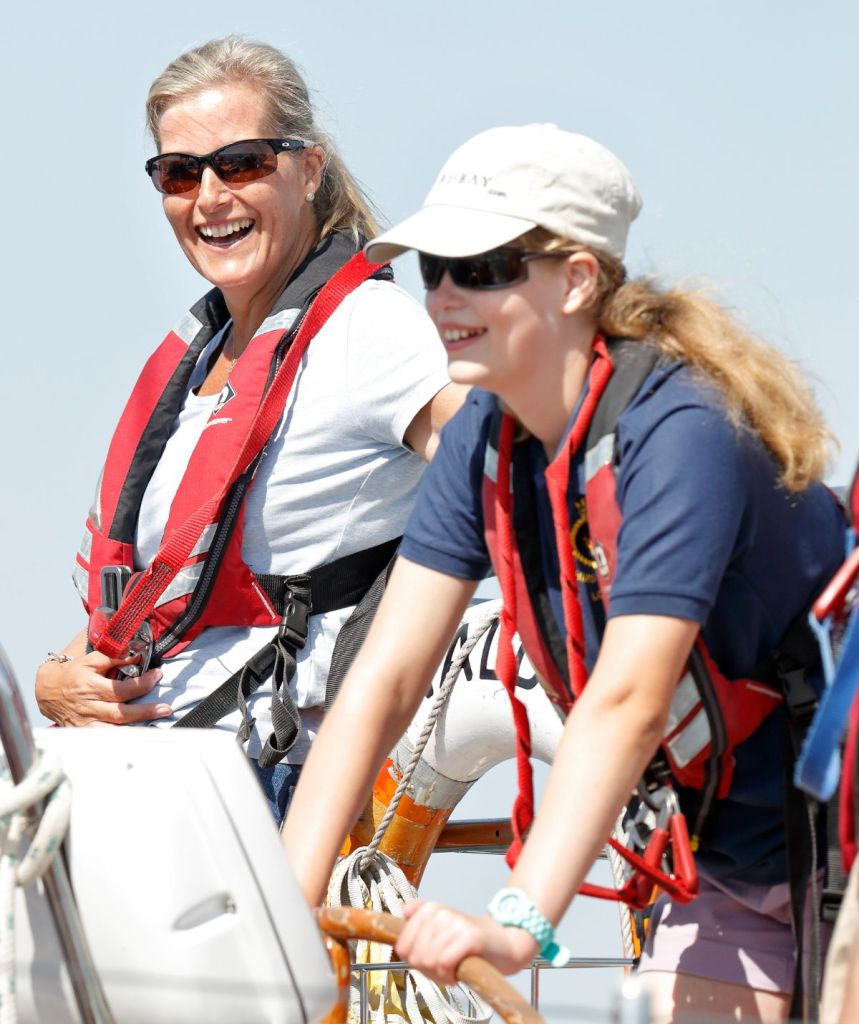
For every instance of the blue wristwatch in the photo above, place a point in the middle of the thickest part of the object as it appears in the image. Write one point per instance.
(513, 908)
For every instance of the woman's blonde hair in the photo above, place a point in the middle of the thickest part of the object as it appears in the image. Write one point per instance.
(340, 201)
(761, 387)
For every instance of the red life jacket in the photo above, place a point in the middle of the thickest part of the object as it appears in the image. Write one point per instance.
(848, 790)
(214, 586)
(709, 715)
(848, 801)
(854, 502)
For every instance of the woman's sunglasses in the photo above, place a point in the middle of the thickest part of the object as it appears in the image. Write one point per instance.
(498, 268)
(236, 163)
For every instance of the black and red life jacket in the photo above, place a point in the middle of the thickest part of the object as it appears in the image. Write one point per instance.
(211, 585)
(225, 591)
(709, 715)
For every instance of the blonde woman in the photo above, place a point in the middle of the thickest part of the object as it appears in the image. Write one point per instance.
(677, 536)
(265, 210)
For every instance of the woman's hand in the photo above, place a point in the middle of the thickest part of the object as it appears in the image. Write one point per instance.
(437, 939)
(81, 692)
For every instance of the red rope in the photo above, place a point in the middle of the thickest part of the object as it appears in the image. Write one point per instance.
(557, 477)
(507, 666)
(558, 481)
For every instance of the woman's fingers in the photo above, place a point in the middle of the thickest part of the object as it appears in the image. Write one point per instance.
(103, 663)
(79, 692)
(108, 713)
(124, 688)
(437, 939)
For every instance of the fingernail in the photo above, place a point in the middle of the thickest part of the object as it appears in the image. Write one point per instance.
(163, 709)
(158, 674)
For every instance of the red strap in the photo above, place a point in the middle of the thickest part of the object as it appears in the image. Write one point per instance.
(557, 481)
(681, 886)
(507, 668)
(138, 603)
(506, 665)
(831, 600)
(647, 871)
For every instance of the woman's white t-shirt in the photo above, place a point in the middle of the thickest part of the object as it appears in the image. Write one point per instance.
(335, 478)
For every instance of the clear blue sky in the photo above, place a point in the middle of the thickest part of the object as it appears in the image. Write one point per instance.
(737, 120)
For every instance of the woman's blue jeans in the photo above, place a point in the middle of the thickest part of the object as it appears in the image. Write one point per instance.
(278, 784)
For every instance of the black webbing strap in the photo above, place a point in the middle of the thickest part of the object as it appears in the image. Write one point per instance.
(285, 719)
(800, 835)
(354, 630)
(338, 584)
(222, 701)
(633, 361)
(706, 689)
(836, 880)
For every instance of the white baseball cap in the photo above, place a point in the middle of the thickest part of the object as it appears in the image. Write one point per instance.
(506, 181)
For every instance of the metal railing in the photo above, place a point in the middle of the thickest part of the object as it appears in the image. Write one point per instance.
(535, 968)
(20, 749)
(489, 837)
(632, 997)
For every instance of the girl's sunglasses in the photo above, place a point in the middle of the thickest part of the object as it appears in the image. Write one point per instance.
(498, 268)
(175, 173)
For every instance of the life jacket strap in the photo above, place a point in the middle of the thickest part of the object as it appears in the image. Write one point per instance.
(328, 587)
(337, 584)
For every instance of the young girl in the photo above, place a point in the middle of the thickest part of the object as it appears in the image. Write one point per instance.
(679, 535)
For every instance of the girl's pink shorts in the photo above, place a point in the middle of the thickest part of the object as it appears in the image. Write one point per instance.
(742, 936)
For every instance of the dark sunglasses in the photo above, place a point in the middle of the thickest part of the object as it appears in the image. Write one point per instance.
(498, 268)
(236, 163)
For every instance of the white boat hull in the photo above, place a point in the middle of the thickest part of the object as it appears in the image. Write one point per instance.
(184, 891)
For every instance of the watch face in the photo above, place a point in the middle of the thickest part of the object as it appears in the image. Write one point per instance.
(509, 906)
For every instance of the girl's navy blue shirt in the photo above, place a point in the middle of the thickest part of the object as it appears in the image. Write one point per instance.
(708, 535)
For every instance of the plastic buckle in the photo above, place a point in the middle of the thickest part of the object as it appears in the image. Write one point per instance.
(800, 697)
(294, 625)
(830, 904)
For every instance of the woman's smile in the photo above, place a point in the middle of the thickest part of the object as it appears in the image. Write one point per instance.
(244, 237)
(456, 338)
(226, 234)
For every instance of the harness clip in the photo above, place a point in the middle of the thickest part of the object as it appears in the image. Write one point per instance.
(294, 625)
(115, 581)
(800, 696)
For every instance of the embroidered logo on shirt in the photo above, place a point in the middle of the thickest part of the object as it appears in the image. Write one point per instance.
(586, 564)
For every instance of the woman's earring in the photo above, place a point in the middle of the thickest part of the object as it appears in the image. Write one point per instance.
(310, 197)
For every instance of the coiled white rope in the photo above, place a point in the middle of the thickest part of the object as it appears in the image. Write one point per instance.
(370, 878)
(44, 781)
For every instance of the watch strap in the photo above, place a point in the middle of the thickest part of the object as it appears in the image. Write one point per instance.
(529, 918)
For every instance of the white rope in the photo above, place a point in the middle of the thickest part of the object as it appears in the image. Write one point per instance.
(44, 781)
(619, 875)
(383, 887)
(370, 878)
